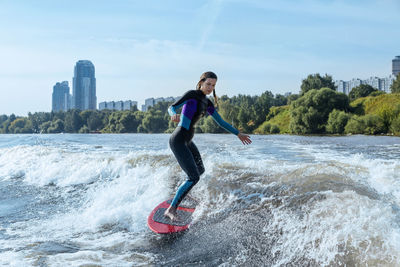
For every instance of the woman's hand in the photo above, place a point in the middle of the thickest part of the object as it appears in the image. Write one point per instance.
(244, 138)
(176, 117)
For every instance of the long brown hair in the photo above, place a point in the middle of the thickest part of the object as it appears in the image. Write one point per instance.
(203, 77)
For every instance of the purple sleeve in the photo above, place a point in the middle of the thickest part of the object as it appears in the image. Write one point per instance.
(189, 109)
(210, 110)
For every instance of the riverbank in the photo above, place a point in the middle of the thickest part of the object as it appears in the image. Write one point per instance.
(372, 115)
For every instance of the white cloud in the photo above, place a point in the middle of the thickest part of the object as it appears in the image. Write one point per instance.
(209, 14)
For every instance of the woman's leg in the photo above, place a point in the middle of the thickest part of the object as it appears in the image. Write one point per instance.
(197, 158)
(189, 159)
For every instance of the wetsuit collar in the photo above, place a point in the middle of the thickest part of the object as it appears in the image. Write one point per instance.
(201, 92)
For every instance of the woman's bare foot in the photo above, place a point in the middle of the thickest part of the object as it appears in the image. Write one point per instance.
(171, 214)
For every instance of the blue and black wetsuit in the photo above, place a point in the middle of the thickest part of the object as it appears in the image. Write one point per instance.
(195, 105)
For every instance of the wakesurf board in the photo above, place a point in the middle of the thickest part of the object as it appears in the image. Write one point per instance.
(161, 224)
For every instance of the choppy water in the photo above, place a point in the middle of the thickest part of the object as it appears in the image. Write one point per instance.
(78, 200)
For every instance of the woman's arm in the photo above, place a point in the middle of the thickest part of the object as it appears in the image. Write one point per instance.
(217, 118)
(243, 137)
(189, 104)
(180, 102)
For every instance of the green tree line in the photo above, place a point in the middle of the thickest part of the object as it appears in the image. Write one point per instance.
(317, 109)
(320, 109)
(243, 111)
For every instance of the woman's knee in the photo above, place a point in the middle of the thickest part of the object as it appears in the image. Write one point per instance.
(201, 169)
(194, 179)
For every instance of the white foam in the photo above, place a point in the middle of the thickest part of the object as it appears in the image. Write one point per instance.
(326, 230)
(129, 187)
(14, 259)
(128, 200)
(382, 175)
(42, 166)
(122, 187)
(122, 203)
(100, 258)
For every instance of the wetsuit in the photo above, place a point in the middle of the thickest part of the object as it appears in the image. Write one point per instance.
(195, 105)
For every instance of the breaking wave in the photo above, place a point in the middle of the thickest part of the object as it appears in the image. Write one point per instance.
(283, 201)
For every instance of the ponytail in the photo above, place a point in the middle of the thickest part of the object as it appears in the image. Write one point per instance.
(215, 99)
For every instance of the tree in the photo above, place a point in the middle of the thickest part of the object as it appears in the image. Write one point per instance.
(4, 123)
(310, 112)
(362, 90)
(86, 114)
(280, 100)
(245, 120)
(210, 126)
(316, 81)
(387, 113)
(20, 125)
(377, 93)
(395, 88)
(337, 121)
(374, 124)
(395, 126)
(56, 126)
(161, 106)
(134, 108)
(229, 112)
(129, 122)
(154, 122)
(12, 118)
(262, 105)
(37, 119)
(355, 125)
(73, 121)
(3, 118)
(95, 121)
(268, 128)
(84, 129)
(114, 124)
(292, 97)
(368, 124)
(44, 127)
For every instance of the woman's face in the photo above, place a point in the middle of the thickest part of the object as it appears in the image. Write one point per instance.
(208, 86)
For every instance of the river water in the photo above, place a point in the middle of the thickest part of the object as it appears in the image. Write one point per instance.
(83, 200)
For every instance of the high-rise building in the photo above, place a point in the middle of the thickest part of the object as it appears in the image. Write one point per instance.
(84, 86)
(129, 104)
(382, 84)
(387, 83)
(396, 66)
(149, 102)
(61, 99)
(342, 86)
(110, 105)
(117, 105)
(102, 105)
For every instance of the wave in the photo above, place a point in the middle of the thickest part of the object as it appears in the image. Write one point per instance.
(329, 209)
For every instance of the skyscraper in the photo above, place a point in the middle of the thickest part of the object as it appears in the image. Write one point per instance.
(396, 66)
(61, 99)
(84, 86)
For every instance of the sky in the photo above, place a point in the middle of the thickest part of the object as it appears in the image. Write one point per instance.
(159, 48)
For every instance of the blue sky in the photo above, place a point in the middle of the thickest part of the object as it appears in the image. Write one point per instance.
(159, 48)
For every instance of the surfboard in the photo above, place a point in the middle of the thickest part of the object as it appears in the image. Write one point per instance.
(160, 224)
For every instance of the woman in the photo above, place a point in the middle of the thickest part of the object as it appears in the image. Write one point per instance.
(195, 104)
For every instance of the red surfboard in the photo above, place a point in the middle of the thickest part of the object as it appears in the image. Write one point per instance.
(160, 224)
